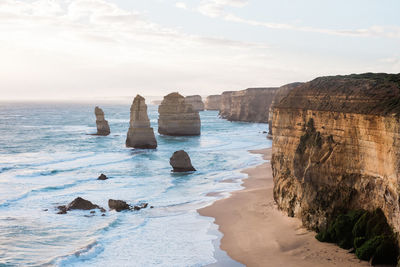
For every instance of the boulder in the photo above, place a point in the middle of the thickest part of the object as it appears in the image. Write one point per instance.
(102, 177)
(79, 204)
(178, 118)
(118, 205)
(195, 101)
(180, 162)
(102, 125)
(140, 134)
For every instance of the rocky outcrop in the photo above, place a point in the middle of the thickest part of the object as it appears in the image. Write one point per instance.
(336, 147)
(177, 118)
(180, 162)
(102, 177)
(195, 101)
(140, 134)
(250, 105)
(102, 125)
(213, 102)
(282, 92)
(79, 204)
(118, 205)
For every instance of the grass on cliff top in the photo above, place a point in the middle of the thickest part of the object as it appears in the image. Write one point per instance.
(367, 232)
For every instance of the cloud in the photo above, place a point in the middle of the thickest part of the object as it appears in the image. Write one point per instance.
(216, 8)
(181, 5)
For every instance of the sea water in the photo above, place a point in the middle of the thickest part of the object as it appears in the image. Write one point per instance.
(48, 158)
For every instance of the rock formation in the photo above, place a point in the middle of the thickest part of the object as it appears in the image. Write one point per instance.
(180, 162)
(282, 92)
(250, 105)
(195, 101)
(177, 118)
(102, 125)
(79, 204)
(140, 134)
(102, 177)
(213, 102)
(336, 147)
(118, 205)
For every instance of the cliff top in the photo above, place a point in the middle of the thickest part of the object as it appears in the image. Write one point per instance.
(368, 93)
(174, 95)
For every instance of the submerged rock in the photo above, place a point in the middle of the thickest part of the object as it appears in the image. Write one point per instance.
(180, 162)
(79, 204)
(178, 118)
(102, 125)
(140, 134)
(195, 101)
(118, 205)
(102, 177)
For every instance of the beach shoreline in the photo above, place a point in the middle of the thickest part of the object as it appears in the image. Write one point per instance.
(256, 233)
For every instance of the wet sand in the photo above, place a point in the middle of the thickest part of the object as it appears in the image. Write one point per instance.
(256, 233)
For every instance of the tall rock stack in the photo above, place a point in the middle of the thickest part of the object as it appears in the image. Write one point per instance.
(195, 101)
(102, 125)
(226, 101)
(178, 118)
(140, 134)
(213, 102)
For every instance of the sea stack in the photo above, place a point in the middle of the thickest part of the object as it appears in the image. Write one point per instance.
(195, 101)
(140, 134)
(213, 102)
(102, 125)
(177, 118)
(180, 162)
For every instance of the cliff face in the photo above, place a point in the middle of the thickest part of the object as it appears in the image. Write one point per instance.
(250, 105)
(213, 102)
(336, 146)
(177, 118)
(195, 101)
(280, 93)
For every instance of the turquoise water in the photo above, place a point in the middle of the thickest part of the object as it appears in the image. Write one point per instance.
(47, 159)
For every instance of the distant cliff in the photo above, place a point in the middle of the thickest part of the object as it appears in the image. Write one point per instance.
(213, 102)
(195, 101)
(336, 147)
(250, 105)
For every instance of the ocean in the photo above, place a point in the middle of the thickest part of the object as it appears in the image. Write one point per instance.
(48, 158)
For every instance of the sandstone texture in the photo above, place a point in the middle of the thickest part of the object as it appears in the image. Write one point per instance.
(250, 105)
(213, 102)
(180, 162)
(195, 101)
(336, 147)
(177, 118)
(140, 134)
(282, 92)
(102, 125)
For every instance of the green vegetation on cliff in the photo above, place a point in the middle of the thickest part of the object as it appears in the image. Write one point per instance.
(367, 232)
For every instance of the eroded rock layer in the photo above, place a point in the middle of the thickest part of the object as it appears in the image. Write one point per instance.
(250, 105)
(213, 102)
(140, 134)
(177, 118)
(336, 147)
(102, 125)
(195, 101)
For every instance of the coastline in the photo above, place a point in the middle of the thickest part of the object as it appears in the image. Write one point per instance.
(256, 233)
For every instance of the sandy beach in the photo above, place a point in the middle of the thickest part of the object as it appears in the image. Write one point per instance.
(256, 233)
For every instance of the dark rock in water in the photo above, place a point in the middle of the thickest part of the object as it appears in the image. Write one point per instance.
(102, 177)
(141, 206)
(180, 162)
(102, 209)
(78, 204)
(103, 214)
(93, 211)
(151, 207)
(118, 205)
(102, 125)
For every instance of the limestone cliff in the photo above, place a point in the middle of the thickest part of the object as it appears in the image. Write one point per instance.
(213, 102)
(282, 92)
(102, 125)
(250, 105)
(177, 118)
(336, 146)
(140, 134)
(195, 101)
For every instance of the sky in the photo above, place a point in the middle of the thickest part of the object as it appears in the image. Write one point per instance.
(62, 49)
